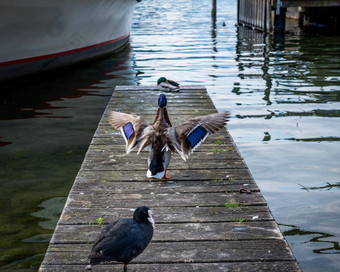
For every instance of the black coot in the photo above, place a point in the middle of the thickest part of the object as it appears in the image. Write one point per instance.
(124, 239)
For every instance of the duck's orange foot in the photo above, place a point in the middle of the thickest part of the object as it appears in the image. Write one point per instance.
(165, 176)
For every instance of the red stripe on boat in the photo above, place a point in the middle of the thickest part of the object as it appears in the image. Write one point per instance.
(13, 62)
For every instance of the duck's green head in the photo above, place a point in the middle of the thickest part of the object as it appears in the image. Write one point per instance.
(160, 80)
(162, 101)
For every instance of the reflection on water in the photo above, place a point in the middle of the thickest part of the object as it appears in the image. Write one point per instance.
(289, 100)
(47, 122)
(50, 212)
(331, 247)
(283, 93)
(328, 186)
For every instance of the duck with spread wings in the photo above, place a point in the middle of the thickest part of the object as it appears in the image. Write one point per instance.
(161, 138)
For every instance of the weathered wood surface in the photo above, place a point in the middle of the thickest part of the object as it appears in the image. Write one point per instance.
(282, 266)
(177, 252)
(83, 216)
(197, 228)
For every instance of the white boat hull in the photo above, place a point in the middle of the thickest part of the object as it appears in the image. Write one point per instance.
(37, 35)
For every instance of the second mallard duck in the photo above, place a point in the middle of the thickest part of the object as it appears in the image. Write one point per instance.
(161, 138)
(167, 85)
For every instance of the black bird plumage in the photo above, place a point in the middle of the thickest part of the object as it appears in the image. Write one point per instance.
(124, 239)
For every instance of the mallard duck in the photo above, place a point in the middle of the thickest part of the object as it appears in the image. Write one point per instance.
(124, 239)
(161, 138)
(167, 85)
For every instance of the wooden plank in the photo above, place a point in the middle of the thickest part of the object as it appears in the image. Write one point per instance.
(203, 222)
(161, 187)
(212, 152)
(186, 88)
(107, 200)
(282, 266)
(94, 162)
(164, 215)
(190, 174)
(177, 252)
(221, 231)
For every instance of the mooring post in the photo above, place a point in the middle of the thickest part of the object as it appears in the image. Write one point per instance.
(280, 21)
(238, 12)
(213, 19)
(280, 18)
(213, 8)
(265, 16)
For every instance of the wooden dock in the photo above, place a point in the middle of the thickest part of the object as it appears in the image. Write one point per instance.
(203, 222)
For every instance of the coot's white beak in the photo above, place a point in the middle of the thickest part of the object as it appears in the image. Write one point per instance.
(150, 219)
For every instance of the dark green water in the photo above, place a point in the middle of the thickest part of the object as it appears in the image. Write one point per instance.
(283, 93)
(47, 123)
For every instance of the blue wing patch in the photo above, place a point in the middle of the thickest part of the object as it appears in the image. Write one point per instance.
(196, 136)
(128, 130)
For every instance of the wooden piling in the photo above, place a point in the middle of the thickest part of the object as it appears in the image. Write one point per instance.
(280, 21)
(255, 14)
(203, 222)
(270, 15)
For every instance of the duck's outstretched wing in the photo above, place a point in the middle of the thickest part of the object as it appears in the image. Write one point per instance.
(135, 130)
(187, 137)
